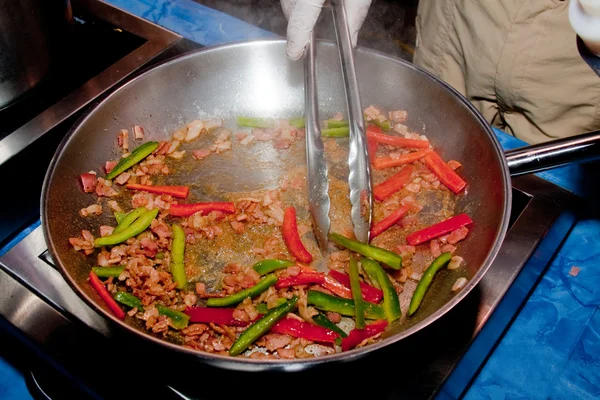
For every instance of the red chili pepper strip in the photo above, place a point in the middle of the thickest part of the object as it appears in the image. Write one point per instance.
(206, 315)
(185, 210)
(445, 174)
(356, 336)
(336, 287)
(304, 330)
(375, 133)
(394, 183)
(175, 191)
(289, 230)
(388, 162)
(300, 279)
(105, 296)
(388, 221)
(369, 293)
(438, 229)
(372, 146)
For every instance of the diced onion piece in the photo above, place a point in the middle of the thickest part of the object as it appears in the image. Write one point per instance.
(455, 262)
(459, 284)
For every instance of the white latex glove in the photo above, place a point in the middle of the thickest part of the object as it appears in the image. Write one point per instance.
(584, 16)
(302, 16)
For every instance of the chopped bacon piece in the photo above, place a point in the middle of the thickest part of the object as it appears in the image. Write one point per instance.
(434, 246)
(138, 132)
(114, 206)
(275, 341)
(406, 250)
(106, 230)
(238, 227)
(372, 113)
(104, 188)
(95, 209)
(109, 165)
(162, 148)
(448, 248)
(123, 139)
(195, 128)
(409, 220)
(458, 235)
(411, 203)
(247, 140)
(398, 115)
(264, 135)
(199, 154)
(89, 182)
(123, 178)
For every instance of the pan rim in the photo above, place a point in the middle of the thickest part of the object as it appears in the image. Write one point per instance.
(247, 364)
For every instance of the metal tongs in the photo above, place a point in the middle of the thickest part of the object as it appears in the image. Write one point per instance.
(359, 178)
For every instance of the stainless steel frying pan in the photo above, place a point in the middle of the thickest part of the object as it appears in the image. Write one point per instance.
(256, 78)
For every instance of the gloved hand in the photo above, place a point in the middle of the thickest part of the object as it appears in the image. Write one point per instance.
(303, 14)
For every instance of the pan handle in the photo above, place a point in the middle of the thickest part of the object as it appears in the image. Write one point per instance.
(543, 156)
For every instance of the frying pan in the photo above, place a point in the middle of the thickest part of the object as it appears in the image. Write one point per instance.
(256, 78)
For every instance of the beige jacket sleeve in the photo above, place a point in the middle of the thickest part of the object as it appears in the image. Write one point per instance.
(515, 60)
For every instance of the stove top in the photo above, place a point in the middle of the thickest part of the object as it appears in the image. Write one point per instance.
(32, 290)
(102, 47)
(74, 352)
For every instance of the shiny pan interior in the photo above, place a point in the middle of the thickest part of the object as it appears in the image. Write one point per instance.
(256, 79)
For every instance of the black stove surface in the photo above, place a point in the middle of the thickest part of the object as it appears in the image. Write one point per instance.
(89, 46)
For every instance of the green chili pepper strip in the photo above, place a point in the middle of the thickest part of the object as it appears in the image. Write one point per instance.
(129, 300)
(261, 326)
(359, 305)
(327, 302)
(177, 257)
(252, 122)
(135, 157)
(179, 320)
(384, 125)
(390, 259)
(160, 255)
(373, 277)
(262, 308)
(391, 304)
(336, 132)
(321, 319)
(119, 216)
(337, 124)
(107, 272)
(238, 297)
(129, 218)
(297, 123)
(139, 226)
(437, 264)
(265, 266)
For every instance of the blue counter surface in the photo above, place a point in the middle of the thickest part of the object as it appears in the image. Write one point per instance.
(552, 348)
